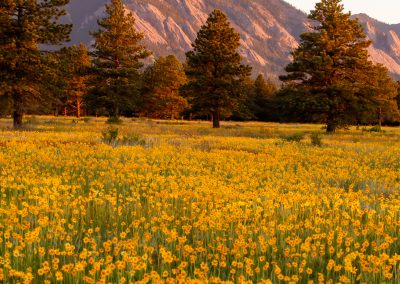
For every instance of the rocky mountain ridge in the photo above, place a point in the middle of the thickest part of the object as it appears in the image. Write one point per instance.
(269, 29)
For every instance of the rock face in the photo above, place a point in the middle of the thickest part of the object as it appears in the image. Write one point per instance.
(269, 29)
(386, 43)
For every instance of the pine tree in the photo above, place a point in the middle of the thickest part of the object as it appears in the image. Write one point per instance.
(162, 82)
(385, 93)
(264, 99)
(24, 25)
(75, 62)
(117, 59)
(259, 101)
(331, 72)
(214, 68)
(245, 110)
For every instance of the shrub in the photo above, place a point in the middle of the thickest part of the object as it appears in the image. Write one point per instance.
(86, 119)
(133, 139)
(110, 135)
(296, 137)
(316, 139)
(375, 128)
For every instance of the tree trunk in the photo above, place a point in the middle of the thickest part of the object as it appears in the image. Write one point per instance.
(216, 117)
(78, 108)
(380, 118)
(17, 119)
(65, 111)
(18, 113)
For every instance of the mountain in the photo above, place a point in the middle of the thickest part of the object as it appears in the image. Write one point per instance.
(386, 43)
(269, 29)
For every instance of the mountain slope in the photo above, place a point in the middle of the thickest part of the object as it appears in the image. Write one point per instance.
(269, 29)
(386, 43)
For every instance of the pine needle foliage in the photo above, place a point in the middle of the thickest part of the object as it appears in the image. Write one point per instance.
(214, 68)
(25, 26)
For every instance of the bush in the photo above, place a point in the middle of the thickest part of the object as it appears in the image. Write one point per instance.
(375, 128)
(296, 137)
(133, 139)
(86, 119)
(114, 120)
(110, 135)
(316, 139)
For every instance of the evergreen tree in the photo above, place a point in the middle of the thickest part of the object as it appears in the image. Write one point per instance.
(214, 68)
(245, 110)
(117, 59)
(330, 75)
(385, 90)
(24, 25)
(264, 99)
(260, 101)
(75, 62)
(162, 81)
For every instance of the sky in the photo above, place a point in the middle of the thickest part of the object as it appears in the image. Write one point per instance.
(387, 11)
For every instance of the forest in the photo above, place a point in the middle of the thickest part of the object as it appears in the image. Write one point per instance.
(330, 80)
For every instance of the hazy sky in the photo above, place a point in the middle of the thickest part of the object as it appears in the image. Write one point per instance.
(387, 11)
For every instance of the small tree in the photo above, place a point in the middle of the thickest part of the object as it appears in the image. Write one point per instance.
(385, 90)
(162, 81)
(264, 99)
(214, 68)
(24, 25)
(117, 59)
(331, 72)
(75, 62)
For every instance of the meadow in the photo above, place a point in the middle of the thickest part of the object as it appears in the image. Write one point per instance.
(179, 202)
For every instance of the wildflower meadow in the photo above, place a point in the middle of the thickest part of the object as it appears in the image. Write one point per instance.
(178, 202)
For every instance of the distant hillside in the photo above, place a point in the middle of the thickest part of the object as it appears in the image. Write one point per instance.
(386, 46)
(269, 29)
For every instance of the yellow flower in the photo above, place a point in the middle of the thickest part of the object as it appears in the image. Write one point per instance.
(59, 276)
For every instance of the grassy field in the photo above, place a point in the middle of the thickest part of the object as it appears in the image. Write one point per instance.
(179, 202)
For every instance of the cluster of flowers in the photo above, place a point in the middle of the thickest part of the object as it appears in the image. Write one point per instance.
(246, 210)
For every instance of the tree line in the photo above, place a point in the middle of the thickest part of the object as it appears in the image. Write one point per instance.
(330, 80)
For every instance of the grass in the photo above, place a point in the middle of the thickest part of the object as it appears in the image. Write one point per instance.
(195, 204)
